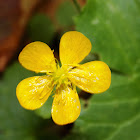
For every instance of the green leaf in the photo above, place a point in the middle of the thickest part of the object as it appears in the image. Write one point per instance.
(15, 122)
(113, 115)
(113, 28)
(91, 57)
(40, 28)
(45, 110)
(65, 14)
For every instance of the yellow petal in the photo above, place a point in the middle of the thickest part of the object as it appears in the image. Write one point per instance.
(38, 57)
(74, 47)
(33, 92)
(66, 106)
(93, 77)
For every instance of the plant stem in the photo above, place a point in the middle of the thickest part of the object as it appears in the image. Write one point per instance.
(77, 6)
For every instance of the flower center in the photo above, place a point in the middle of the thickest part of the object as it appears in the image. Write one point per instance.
(60, 75)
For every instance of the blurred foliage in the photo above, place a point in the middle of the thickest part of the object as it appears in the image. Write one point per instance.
(113, 27)
(45, 110)
(40, 28)
(65, 14)
(15, 122)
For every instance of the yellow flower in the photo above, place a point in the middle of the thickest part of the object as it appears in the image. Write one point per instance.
(92, 77)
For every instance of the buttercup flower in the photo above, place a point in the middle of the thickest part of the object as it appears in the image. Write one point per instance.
(92, 77)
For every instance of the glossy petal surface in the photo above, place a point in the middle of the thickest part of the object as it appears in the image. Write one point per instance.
(93, 77)
(74, 47)
(38, 57)
(33, 92)
(66, 106)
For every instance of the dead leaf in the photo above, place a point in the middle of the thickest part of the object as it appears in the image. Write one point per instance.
(14, 15)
